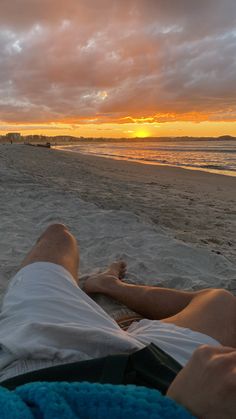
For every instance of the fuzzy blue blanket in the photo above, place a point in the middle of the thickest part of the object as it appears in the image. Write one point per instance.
(61, 400)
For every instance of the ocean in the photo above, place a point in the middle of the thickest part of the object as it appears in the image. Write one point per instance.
(215, 155)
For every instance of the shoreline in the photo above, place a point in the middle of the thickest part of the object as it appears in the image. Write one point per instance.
(153, 163)
(156, 168)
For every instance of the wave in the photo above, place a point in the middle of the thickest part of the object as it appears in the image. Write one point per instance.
(196, 161)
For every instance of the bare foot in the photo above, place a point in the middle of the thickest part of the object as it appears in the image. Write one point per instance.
(99, 283)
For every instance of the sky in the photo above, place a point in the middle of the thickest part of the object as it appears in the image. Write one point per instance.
(118, 68)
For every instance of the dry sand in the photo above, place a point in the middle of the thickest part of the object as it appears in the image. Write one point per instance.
(174, 227)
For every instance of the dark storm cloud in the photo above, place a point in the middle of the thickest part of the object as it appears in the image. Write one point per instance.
(72, 60)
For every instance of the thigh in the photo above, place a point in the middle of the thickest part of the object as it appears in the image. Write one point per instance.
(178, 342)
(212, 313)
(46, 292)
(46, 316)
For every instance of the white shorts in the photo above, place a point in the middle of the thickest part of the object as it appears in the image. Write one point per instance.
(48, 320)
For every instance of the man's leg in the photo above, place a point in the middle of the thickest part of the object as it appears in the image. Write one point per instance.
(212, 312)
(56, 245)
(151, 302)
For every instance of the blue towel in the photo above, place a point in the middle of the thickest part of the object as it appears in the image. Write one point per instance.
(61, 400)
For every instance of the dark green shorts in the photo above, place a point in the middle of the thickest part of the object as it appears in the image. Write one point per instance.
(150, 367)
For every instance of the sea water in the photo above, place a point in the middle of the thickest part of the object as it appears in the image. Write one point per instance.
(215, 155)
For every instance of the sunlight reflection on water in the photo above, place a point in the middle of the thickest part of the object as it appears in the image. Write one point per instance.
(213, 156)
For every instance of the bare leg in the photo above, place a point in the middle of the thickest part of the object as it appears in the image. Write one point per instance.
(212, 312)
(151, 302)
(56, 245)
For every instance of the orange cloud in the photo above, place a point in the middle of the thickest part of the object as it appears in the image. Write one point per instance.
(127, 61)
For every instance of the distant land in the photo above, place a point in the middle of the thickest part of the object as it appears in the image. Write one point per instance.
(17, 138)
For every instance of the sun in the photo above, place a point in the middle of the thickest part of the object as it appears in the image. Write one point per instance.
(142, 133)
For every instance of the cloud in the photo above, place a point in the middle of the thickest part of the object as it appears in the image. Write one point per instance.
(106, 60)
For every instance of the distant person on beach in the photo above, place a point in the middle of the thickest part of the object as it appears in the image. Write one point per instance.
(48, 320)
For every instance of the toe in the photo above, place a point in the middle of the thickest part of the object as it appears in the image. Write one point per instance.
(122, 269)
(118, 268)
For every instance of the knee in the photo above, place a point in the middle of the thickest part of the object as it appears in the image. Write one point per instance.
(223, 297)
(58, 233)
(56, 228)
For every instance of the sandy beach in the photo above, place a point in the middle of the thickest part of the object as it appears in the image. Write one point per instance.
(174, 227)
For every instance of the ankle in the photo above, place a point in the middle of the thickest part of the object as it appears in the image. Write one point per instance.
(114, 287)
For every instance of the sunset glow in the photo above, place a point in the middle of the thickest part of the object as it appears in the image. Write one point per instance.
(142, 133)
(118, 69)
